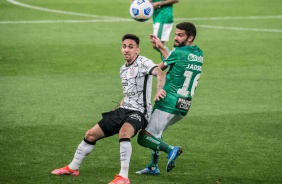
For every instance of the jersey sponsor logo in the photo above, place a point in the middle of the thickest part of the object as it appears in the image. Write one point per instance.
(194, 67)
(193, 57)
(136, 117)
(124, 86)
(130, 94)
(183, 103)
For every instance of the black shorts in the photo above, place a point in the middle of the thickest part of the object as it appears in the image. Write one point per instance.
(112, 121)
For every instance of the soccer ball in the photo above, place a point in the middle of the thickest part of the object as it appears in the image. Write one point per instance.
(141, 10)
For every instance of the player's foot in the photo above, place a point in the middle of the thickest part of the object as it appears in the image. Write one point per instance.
(65, 171)
(120, 180)
(172, 156)
(149, 170)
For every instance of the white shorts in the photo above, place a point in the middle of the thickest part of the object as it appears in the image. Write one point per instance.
(162, 31)
(159, 121)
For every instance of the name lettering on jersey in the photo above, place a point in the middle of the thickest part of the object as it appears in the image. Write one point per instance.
(194, 67)
(193, 57)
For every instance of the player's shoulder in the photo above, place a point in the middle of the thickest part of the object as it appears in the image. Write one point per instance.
(145, 63)
(189, 48)
(196, 47)
(122, 69)
(142, 59)
(198, 50)
(176, 51)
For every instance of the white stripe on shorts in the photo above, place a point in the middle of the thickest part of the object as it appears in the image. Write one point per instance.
(165, 32)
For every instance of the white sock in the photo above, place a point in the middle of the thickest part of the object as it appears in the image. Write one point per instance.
(125, 154)
(81, 152)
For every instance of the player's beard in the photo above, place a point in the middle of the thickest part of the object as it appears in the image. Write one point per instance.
(180, 44)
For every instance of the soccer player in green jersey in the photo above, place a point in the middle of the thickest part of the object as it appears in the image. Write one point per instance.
(163, 18)
(185, 66)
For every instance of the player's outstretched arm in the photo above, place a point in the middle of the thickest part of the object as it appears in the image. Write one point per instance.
(159, 45)
(160, 83)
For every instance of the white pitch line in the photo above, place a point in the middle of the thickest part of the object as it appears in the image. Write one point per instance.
(60, 11)
(114, 19)
(119, 18)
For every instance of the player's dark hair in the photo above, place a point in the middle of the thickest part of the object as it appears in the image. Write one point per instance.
(131, 37)
(188, 27)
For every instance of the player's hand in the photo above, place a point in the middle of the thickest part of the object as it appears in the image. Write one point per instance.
(156, 5)
(156, 42)
(153, 40)
(160, 94)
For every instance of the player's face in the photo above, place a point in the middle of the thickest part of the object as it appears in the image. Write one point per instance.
(130, 50)
(180, 38)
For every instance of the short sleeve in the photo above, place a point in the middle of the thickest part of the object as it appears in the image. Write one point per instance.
(172, 57)
(147, 65)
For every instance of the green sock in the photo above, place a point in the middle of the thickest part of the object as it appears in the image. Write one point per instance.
(153, 143)
(155, 154)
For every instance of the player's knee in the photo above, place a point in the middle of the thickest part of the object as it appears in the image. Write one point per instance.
(126, 131)
(126, 134)
(87, 133)
(88, 136)
(91, 136)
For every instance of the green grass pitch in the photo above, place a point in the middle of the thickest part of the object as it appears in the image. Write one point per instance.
(59, 70)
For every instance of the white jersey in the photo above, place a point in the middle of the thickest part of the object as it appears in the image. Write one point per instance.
(137, 85)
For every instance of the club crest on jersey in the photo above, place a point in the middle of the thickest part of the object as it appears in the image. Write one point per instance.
(132, 72)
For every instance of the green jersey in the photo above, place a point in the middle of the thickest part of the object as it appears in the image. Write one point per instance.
(164, 14)
(185, 66)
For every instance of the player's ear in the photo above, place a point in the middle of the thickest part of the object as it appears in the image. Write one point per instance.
(137, 50)
(190, 39)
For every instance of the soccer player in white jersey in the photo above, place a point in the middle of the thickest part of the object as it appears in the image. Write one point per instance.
(130, 117)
